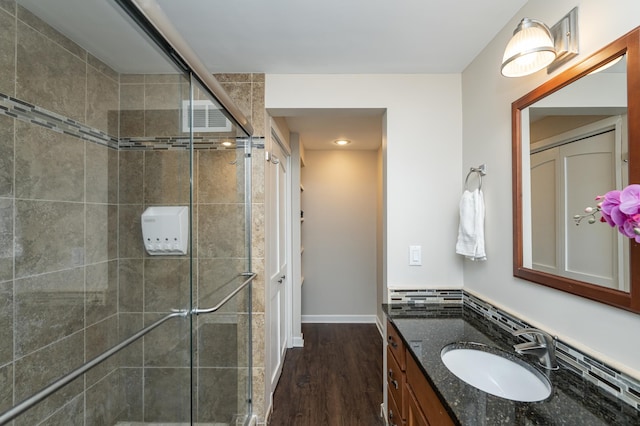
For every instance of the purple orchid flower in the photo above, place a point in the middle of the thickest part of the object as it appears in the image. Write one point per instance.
(630, 200)
(620, 209)
(611, 209)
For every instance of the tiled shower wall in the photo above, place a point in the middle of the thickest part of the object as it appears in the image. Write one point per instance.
(247, 91)
(74, 278)
(157, 368)
(58, 217)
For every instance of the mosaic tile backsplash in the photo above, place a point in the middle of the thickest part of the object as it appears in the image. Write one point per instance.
(617, 383)
(26, 112)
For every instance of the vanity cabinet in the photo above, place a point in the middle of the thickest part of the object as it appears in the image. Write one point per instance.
(410, 399)
(394, 415)
(415, 417)
(427, 404)
(396, 378)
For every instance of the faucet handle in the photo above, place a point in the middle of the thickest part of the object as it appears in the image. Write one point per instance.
(540, 336)
(543, 341)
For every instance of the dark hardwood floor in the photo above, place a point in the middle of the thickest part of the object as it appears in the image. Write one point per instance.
(336, 379)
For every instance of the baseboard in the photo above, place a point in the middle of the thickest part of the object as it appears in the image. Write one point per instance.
(298, 341)
(379, 325)
(267, 413)
(368, 319)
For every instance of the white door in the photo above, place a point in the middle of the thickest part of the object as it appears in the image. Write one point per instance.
(277, 263)
(565, 178)
(590, 252)
(545, 255)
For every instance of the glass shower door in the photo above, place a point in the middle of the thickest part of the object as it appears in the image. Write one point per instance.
(155, 171)
(89, 139)
(221, 357)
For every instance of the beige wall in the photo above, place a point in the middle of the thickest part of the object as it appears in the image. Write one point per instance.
(339, 236)
(599, 330)
(421, 162)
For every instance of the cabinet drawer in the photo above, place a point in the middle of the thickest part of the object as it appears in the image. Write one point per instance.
(395, 345)
(395, 380)
(425, 396)
(394, 415)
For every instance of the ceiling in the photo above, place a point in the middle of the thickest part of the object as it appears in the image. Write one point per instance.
(320, 128)
(294, 36)
(339, 36)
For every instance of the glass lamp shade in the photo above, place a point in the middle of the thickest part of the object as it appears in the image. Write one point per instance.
(530, 49)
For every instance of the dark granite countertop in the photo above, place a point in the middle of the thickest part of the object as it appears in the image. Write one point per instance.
(428, 328)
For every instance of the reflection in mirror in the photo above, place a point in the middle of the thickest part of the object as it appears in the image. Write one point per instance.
(577, 140)
(574, 139)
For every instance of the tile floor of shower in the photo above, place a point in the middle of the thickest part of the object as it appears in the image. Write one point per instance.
(238, 421)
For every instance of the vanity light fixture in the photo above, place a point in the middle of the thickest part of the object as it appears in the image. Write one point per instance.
(342, 142)
(535, 46)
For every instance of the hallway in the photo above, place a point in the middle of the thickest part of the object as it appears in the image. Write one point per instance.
(336, 379)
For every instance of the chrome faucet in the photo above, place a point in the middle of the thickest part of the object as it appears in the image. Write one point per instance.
(544, 347)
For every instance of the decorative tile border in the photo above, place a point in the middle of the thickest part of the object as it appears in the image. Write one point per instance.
(416, 297)
(24, 111)
(616, 383)
(180, 143)
(400, 310)
(493, 314)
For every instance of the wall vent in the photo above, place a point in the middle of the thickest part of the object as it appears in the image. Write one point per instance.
(207, 117)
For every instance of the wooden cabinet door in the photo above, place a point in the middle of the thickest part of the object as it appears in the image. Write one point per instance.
(394, 342)
(394, 415)
(396, 381)
(415, 417)
(425, 397)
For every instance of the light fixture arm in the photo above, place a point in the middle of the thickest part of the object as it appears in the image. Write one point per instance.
(565, 39)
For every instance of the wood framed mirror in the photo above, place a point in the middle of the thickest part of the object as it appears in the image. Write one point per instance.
(559, 119)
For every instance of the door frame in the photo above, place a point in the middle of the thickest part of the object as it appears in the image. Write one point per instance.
(275, 136)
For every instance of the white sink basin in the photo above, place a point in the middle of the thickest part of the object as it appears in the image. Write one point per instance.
(496, 372)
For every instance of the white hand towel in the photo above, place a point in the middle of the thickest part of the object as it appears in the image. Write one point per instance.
(471, 230)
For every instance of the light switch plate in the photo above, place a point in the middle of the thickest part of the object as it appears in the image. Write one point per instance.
(415, 255)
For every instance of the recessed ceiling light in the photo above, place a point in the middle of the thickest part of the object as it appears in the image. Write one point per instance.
(342, 142)
(227, 143)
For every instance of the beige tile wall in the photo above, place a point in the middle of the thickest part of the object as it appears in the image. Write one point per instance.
(151, 105)
(58, 216)
(147, 285)
(247, 91)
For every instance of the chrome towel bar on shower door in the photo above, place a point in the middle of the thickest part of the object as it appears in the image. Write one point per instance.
(250, 275)
(68, 378)
(26, 404)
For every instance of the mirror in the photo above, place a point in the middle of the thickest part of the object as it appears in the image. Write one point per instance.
(573, 138)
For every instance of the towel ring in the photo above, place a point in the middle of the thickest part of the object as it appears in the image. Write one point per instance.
(481, 171)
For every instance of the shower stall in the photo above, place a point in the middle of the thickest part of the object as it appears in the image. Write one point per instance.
(101, 117)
